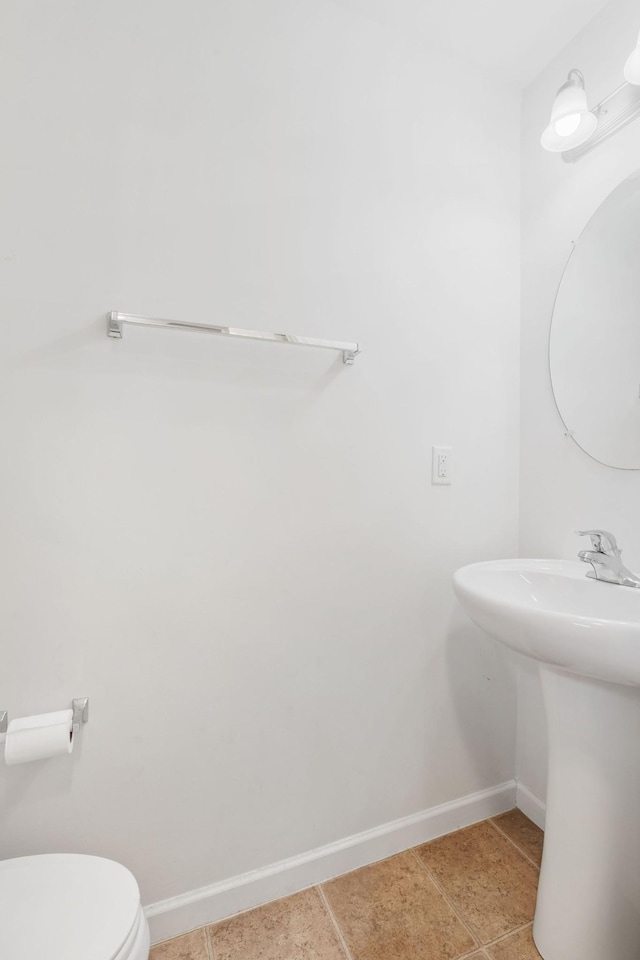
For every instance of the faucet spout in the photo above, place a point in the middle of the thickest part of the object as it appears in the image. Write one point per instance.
(606, 559)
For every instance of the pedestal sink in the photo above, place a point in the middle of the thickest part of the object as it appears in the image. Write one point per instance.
(586, 636)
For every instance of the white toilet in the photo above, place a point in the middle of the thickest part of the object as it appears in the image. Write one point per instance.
(70, 907)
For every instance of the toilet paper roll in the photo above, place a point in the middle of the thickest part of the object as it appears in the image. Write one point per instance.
(39, 737)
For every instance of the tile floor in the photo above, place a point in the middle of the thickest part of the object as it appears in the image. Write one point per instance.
(468, 895)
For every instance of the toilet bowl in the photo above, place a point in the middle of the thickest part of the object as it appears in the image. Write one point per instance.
(70, 907)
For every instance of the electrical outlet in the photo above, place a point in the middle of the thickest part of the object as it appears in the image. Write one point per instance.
(441, 465)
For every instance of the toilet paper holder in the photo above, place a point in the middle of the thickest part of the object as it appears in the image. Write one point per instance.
(80, 708)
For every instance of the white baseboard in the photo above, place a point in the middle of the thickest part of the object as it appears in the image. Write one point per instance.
(531, 806)
(177, 915)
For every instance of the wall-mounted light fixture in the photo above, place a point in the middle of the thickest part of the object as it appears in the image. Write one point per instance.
(632, 66)
(571, 121)
(574, 130)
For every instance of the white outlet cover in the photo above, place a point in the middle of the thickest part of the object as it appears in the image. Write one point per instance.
(441, 466)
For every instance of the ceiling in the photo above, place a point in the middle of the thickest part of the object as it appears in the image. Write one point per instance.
(514, 39)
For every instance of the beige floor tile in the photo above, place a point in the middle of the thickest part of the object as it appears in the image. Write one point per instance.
(524, 833)
(191, 946)
(393, 910)
(290, 929)
(519, 946)
(488, 880)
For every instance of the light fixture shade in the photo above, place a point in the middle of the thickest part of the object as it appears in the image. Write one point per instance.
(571, 121)
(632, 66)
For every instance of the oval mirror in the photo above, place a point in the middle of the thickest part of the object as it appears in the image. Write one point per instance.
(594, 345)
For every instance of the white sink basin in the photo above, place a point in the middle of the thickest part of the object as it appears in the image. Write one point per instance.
(586, 636)
(549, 610)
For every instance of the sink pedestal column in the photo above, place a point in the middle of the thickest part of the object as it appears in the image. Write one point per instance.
(589, 895)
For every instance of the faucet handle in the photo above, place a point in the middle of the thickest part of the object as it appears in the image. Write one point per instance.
(602, 541)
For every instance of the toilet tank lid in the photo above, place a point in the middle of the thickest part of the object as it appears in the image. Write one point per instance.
(66, 907)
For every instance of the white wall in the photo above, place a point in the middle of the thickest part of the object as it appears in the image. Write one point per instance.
(562, 489)
(234, 549)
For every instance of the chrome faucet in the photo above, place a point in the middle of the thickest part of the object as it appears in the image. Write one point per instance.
(606, 559)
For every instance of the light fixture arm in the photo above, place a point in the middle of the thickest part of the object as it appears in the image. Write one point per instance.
(576, 78)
